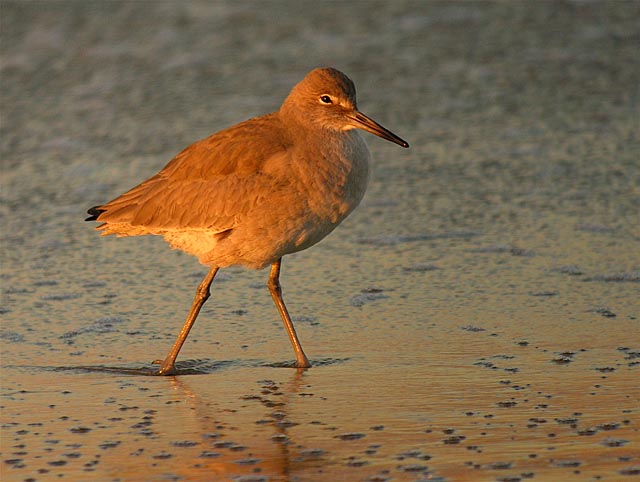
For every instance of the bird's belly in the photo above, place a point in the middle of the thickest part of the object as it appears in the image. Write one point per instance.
(254, 246)
(288, 229)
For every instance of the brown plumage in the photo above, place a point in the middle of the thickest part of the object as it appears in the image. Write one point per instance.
(250, 194)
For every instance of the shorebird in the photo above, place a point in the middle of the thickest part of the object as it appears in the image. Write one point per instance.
(252, 193)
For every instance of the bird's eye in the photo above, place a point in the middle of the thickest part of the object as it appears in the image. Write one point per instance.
(326, 99)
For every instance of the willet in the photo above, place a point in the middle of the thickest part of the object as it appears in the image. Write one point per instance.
(248, 195)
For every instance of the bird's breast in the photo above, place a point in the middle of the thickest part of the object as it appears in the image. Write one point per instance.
(334, 177)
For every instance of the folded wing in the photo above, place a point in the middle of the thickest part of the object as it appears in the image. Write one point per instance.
(209, 185)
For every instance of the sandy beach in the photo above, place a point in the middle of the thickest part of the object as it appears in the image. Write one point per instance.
(475, 319)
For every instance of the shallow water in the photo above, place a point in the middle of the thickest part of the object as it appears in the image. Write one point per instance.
(477, 318)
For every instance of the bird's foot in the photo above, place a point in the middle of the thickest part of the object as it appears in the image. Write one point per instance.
(303, 363)
(165, 368)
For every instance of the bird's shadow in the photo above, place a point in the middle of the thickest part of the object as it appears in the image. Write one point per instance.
(192, 367)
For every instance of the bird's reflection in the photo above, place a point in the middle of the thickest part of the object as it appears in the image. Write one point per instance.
(240, 444)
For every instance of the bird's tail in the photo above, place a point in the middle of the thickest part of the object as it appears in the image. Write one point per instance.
(94, 212)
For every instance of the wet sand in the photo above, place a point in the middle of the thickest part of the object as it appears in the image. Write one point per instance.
(477, 318)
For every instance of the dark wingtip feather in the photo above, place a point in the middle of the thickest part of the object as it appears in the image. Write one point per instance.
(95, 211)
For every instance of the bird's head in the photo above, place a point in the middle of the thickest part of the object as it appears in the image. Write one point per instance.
(326, 97)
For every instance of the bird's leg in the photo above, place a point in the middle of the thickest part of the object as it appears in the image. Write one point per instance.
(276, 293)
(202, 294)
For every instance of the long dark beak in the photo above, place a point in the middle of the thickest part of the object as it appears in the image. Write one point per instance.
(366, 123)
